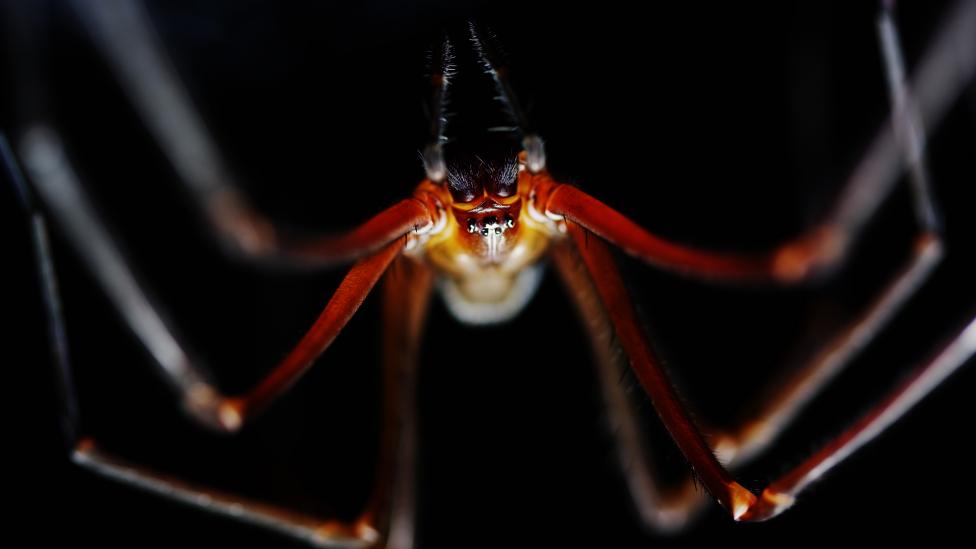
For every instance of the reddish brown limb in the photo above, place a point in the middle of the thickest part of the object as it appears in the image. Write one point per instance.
(663, 510)
(791, 263)
(757, 433)
(127, 41)
(940, 76)
(406, 295)
(670, 510)
(645, 364)
(407, 216)
(230, 413)
(781, 494)
(390, 512)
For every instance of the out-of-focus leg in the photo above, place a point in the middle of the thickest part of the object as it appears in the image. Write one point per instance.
(781, 494)
(59, 188)
(939, 79)
(661, 509)
(85, 452)
(123, 33)
(406, 295)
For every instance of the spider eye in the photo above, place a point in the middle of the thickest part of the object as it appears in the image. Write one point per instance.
(462, 191)
(502, 178)
(470, 175)
(472, 226)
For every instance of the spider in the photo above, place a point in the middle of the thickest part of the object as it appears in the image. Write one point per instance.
(528, 202)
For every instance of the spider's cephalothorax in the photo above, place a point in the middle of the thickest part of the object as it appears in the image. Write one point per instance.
(487, 251)
(486, 203)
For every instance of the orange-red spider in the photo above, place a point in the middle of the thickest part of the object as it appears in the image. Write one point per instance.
(476, 230)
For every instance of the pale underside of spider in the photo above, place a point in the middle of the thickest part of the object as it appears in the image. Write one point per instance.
(476, 230)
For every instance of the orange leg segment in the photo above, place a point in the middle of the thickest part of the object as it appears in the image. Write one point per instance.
(188, 378)
(408, 215)
(647, 367)
(229, 413)
(407, 288)
(790, 263)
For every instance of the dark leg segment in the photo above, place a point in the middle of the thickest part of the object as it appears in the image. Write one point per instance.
(645, 364)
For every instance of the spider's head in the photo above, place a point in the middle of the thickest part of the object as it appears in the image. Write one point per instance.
(492, 172)
(486, 202)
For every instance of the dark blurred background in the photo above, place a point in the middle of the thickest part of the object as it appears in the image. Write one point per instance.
(727, 127)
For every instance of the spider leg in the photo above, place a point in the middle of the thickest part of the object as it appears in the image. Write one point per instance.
(313, 530)
(671, 510)
(781, 494)
(59, 188)
(755, 435)
(665, 511)
(406, 295)
(407, 289)
(789, 398)
(125, 37)
(49, 292)
(599, 263)
(942, 74)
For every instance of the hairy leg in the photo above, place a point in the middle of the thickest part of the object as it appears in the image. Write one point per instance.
(781, 494)
(124, 35)
(661, 509)
(61, 191)
(942, 75)
(406, 295)
(85, 452)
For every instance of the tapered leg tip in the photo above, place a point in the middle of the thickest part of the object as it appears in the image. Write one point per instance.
(204, 404)
(742, 501)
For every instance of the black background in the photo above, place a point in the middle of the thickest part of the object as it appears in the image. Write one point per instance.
(728, 128)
